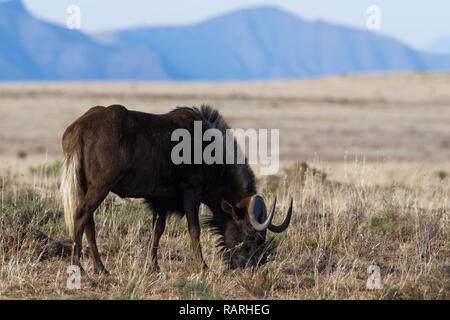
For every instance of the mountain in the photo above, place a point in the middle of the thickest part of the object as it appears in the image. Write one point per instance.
(267, 42)
(439, 46)
(255, 43)
(31, 49)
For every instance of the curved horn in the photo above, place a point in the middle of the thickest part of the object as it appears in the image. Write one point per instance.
(285, 223)
(256, 205)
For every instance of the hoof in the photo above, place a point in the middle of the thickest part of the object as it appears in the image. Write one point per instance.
(155, 268)
(82, 271)
(102, 272)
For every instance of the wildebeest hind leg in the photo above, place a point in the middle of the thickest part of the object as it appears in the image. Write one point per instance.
(90, 235)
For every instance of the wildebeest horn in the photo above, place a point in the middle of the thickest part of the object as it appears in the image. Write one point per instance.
(285, 223)
(258, 207)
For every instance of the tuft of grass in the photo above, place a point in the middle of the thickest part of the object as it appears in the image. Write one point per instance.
(433, 289)
(442, 175)
(390, 222)
(309, 243)
(258, 282)
(21, 154)
(128, 291)
(195, 288)
(389, 225)
(46, 170)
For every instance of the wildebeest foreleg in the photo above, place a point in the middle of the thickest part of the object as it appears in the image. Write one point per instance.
(159, 224)
(191, 207)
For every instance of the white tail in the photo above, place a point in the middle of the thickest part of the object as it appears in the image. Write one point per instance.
(71, 190)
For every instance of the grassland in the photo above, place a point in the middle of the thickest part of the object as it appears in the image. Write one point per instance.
(340, 227)
(366, 158)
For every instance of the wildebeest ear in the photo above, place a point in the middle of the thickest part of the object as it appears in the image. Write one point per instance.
(244, 203)
(228, 208)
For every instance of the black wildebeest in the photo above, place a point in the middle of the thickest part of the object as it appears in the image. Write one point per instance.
(129, 153)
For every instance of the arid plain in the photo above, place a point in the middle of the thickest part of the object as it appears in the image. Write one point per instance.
(366, 157)
(394, 117)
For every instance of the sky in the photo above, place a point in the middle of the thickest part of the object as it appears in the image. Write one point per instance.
(415, 22)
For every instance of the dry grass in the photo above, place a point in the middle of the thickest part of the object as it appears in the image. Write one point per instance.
(347, 216)
(390, 208)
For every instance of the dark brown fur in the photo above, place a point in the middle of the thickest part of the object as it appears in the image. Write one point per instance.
(129, 153)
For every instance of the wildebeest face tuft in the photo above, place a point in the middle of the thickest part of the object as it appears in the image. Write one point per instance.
(244, 236)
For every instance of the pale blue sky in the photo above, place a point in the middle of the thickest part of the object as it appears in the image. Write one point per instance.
(416, 22)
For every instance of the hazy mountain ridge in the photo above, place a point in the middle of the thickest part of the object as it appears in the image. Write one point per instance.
(270, 43)
(256, 43)
(439, 46)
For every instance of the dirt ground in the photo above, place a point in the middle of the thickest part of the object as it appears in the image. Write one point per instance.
(384, 117)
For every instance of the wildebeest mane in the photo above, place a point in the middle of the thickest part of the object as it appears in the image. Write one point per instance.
(242, 173)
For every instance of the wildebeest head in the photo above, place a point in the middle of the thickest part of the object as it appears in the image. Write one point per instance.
(240, 216)
(244, 235)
